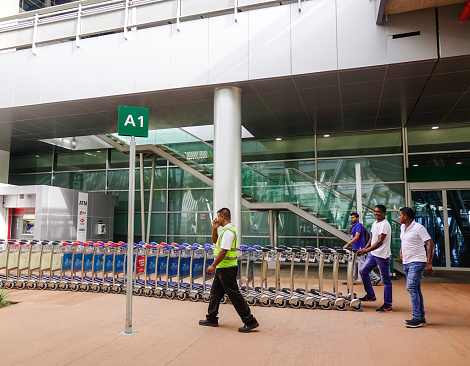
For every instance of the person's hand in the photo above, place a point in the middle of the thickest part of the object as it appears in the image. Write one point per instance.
(429, 269)
(360, 252)
(215, 223)
(345, 246)
(210, 270)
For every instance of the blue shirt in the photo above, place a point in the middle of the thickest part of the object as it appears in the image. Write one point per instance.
(359, 243)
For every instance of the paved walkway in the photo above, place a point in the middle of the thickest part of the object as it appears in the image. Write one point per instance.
(67, 328)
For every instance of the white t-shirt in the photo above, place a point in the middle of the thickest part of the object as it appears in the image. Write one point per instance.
(382, 227)
(412, 242)
(227, 238)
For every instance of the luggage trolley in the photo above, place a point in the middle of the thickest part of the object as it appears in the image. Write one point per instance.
(13, 259)
(3, 261)
(151, 254)
(251, 295)
(184, 271)
(139, 259)
(51, 262)
(172, 270)
(65, 252)
(87, 258)
(108, 264)
(35, 264)
(161, 264)
(197, 270)
(119, 260)
(208, 260)
(97, 266)
(28, 258)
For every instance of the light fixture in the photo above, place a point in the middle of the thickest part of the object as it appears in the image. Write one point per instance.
(434, 127)
(37, 156)
(415, 164)
(458, 163)
(326, 135)
(278, 139)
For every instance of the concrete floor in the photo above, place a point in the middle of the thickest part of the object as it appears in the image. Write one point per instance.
(68, 328)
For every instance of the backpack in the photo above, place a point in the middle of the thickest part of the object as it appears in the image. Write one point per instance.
(366, 235)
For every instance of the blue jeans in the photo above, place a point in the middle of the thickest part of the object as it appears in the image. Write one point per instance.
(384, 267)
(362, 260)
(414, 272)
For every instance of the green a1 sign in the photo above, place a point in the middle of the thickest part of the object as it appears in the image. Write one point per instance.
(133, 121)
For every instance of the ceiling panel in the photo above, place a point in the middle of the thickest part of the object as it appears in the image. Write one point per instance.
(403, 88)
(361, 92)
(281, 101)
(330, 113)
(410, 69)
(452, 82)
(437, 103)
(397, 107)
(287, 118)
(424, 119)
(362, 75)
(360, 110)
(320, 97)
(272, 85)
(319, 80)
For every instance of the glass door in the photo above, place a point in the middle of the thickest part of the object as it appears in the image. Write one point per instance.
(429, 209)
(446, 215)
(458, 209)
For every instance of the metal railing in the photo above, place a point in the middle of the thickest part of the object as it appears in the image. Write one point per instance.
(75, 20)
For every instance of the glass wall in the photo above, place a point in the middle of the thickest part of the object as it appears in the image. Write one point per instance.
(182, 205)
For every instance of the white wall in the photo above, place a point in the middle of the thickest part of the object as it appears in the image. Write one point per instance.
(263, 43)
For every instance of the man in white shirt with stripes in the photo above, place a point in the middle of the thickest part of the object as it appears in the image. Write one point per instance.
(414, 238)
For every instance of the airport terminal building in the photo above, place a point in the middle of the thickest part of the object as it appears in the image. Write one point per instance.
(275, 109)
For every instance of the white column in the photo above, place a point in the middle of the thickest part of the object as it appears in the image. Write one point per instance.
(227, 154)
(9, 7)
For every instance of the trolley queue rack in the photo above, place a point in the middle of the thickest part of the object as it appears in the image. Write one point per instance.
(173, 270)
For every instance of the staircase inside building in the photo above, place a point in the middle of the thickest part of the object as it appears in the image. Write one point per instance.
(283, 189)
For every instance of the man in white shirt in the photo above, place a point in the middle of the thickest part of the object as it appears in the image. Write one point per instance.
(380, 254)
(414, 238)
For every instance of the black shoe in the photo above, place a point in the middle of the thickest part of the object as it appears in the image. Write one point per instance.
(207, 323)
(248, 327)
(385, 309)
(376, 282)
(368, 298)
(415, 323)
(345, 283)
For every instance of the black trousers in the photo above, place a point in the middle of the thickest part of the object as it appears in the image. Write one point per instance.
(225, 282)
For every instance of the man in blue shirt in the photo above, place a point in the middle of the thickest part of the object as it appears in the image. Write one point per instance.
(358, 242)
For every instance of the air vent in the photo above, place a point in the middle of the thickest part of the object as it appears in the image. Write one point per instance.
(404, 35)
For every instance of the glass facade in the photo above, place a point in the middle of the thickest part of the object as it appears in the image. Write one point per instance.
(283, 171)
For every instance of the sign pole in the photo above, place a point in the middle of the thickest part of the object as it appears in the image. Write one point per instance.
(132, 121)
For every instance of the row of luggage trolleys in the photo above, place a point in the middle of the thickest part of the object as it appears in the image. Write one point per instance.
(174, 270)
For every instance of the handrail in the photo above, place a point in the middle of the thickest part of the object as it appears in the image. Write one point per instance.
(316, 181)
(80, 10)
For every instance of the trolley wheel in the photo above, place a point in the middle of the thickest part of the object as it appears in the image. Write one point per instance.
(85, 287)
(182, 296)
(251, 302)
(312, 306)
(74, 287)
(266, 303)
(170, 295)
(137, 291)
(117, 290)
(341, 307)
(20, 285)
(194, 297)
(55, 285)
(206, 299)
(42, 285)
(282, 304)
(96, 289)
(2, 283)
(106, 289)
(224, 299)
(326, 307)
(358, 308)
(10, 284)
(159, 294)
(296, 306)
(148, 293)
(32, 286)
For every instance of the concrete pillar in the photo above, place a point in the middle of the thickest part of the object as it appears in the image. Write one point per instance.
(227, 154)
(4, 166)
(47, 3)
